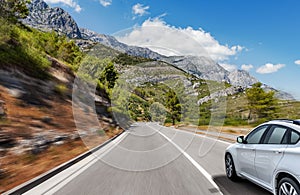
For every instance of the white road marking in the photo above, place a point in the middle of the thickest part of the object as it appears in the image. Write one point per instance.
(58, 181)
(199, 167)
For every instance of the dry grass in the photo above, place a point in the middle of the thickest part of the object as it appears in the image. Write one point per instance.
(228, 129)
(236, 130)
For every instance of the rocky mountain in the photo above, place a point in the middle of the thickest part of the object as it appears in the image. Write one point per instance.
(205, 68)
(112, 42)
(278, 93)
(106, 40)
(241, 78)
(43, 17)
(201, 67)
(46, 18)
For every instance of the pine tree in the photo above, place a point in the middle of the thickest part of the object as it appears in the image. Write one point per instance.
(260, 103)
(13, 10)
(109, 75)
(173, 105)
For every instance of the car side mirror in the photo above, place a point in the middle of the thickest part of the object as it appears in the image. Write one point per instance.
(241, 140)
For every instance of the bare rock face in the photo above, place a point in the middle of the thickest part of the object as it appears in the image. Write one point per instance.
(241, 78)
(282, 95)
(43, 17)
(112, 42)
(201, 67)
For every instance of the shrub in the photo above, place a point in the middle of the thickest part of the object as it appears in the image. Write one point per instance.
(27, 49)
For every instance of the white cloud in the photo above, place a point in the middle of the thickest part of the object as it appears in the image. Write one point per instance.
(161, 37)
(297, 62)
(140, 9)
(228, 67)
(105, 3)
(70, 3)
(247, 67)
(269, 68)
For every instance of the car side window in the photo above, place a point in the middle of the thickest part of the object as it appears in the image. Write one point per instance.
(255, 136)
(277, 135)
(294, 137)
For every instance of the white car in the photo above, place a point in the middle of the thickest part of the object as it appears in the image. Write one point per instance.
(268, 156)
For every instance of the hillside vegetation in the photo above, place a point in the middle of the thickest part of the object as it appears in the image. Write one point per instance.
(28, 49)
(238, 111)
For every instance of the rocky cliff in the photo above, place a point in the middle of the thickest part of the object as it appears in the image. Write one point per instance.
(43, 17)
(241, 78)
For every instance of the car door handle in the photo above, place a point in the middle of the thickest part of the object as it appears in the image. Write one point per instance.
(278, 151)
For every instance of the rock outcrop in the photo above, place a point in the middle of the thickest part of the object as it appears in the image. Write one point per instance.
(200, 67)
(222, 93)
(112, 42)
(241, 78)
(43, 17)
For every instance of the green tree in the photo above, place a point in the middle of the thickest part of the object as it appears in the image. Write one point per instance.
(260, 103)
(173, 105)
(125, 59)
(14, 9)
(91, 68)
(205, 113)
(109, 75)
(69, 52)
(158, 112)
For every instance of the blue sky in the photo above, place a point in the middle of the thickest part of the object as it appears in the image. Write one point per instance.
(261, 36)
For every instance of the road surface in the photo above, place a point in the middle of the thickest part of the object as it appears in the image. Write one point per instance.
(151, 159)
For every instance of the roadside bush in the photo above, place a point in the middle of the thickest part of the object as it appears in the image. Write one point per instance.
(235, 121)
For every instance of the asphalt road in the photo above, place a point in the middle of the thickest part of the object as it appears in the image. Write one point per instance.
(151, 159)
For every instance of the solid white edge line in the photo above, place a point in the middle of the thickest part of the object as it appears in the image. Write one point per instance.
(199, 167)
(61, 182)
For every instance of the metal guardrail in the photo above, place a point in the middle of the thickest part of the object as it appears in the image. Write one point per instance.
(42, 178)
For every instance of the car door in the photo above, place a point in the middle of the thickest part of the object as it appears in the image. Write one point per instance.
(246, 152)
(270, 152)
(292, 154)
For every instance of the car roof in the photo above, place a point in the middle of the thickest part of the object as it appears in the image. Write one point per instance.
(293, 124)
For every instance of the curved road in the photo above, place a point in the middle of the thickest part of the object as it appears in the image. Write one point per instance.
(151, 159)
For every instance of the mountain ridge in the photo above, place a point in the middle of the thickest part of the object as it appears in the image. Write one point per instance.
(43, 17)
